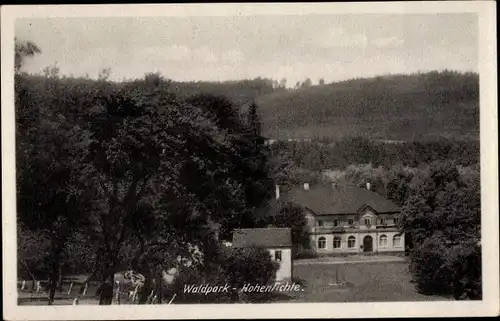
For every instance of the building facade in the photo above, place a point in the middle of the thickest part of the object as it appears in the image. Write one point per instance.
(278, 241)
(349, 220)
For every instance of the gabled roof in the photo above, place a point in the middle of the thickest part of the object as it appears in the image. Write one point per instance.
(266, 237)
(341, 199)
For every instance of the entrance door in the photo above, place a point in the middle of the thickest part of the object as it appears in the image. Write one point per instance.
(368, 244)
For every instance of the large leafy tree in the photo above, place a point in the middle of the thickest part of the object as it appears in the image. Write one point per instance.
(292, 216)
(442, 217)
(442, 202)
(117, 175)
(49, 149)
(163, 170)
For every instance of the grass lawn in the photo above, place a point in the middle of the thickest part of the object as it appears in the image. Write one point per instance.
(384, 281)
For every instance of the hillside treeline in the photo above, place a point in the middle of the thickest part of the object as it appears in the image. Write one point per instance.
(239, 91)
(393, 107)
(324, 154)
(389, 107)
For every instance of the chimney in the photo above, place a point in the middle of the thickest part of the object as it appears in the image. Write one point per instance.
(368, 186)
(306, 186)
(277, 191)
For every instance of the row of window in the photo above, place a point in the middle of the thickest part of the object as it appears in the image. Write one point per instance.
(350, 221)
(351, 241)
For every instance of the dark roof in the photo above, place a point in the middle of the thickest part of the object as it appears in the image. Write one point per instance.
(341, 199)
(266, 237)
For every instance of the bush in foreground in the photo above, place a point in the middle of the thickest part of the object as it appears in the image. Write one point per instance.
(234, 267)
(447, 269)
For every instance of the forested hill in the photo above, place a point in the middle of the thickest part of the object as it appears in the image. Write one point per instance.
(239, 91)
(396, 107)
(392, 107)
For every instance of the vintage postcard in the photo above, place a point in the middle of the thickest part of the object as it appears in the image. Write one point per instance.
(250, 161)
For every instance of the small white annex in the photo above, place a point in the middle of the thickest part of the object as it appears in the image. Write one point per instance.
(278, 241)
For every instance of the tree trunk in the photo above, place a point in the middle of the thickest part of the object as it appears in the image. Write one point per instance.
(159, 286)
(106, 293)
(55, 263)
(54, 273)
(148, 285)
(105, 290)
(60, 279)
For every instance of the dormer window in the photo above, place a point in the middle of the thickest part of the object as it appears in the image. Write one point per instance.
(336, 222)
(382, 221)
(321, 223)
(368, 222)
(350, 221)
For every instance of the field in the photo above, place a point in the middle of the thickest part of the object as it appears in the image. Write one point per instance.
(367, 282)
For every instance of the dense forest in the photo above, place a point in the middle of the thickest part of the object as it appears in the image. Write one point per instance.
(320, 155)
(403, 107)
(423, 105)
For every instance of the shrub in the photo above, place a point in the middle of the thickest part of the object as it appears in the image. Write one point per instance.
(251, 266)
(439, 267)
(235, 267)
(464, 261)
(428, 266)
(307, 254)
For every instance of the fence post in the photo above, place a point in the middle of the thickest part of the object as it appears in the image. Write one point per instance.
(85, 289)
(117, 297)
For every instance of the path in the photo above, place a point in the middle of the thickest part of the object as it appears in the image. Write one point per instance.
(350, 260)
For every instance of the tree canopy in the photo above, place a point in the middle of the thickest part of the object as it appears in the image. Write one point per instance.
(140, 170)
(442, 219)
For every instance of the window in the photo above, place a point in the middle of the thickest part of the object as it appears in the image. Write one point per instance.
(396, 240)
(336, 223)
(396, 220)
(336, 242)
(383, 241)
(351, 242)
(322, 243)
(382, 221)
(321, 223)
(367, 222)
(277, 255)
(350, 221)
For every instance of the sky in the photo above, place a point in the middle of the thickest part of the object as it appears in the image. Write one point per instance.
(332, 47)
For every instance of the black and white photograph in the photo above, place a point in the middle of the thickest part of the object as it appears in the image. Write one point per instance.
(203, 157)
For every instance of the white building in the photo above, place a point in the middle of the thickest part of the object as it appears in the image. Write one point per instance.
(278, 241)
(345, 219)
